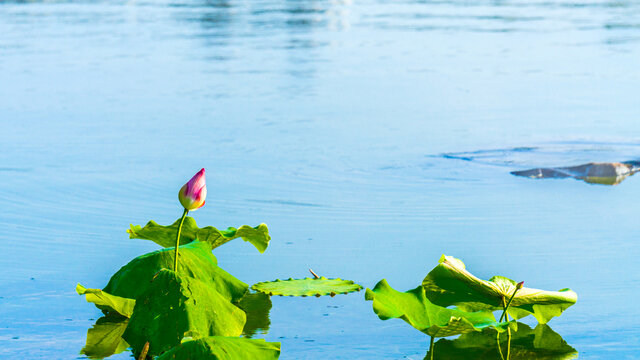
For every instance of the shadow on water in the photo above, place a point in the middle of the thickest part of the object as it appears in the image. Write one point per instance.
(539, 343)
(104, 339)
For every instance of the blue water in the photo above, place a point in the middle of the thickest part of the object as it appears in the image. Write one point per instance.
(332, 122)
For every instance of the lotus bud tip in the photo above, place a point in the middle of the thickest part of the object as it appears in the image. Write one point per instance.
(192, 194)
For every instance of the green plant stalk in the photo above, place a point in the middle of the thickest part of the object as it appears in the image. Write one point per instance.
(505, 315)
(175, 260)
(508, 329)
(431, 348)
(506, 307)
(499, 347)
(508, 344)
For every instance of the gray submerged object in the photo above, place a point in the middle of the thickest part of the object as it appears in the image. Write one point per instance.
(593, 173)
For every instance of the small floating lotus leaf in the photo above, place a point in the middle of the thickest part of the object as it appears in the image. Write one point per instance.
(196, 260)
(526, 344)
(257, 307)
(105, 338)
(178, 306)
(106, 302)
(307, 287)
(414, 308)
(223, 348)
(165, 236)
(450, 283)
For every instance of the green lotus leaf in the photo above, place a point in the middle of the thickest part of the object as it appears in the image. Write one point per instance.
(257, 307)
(526, 344)
(196, 261)
(176, 306)
(106, 302)
(307, 287)
(450, 283)
(105, 338)
(165, 236)
(223, 348)
(413, 307)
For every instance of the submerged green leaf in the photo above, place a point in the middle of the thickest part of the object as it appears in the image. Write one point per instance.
(526, 344)
(176, 306)
(414, 308)
(450, 283)
(196, 261)
(106, 302)
(165, 236)
(257, 307)
(223, 348)
(105, 338)
(307, 287)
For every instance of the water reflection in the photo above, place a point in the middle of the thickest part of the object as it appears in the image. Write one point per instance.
(104, 339)
(511, 17)
(229, 29)
(526, 343)
(257, 307)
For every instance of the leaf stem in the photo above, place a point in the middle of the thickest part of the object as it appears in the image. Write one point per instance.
(175, 260)
(504, 304)
(431, 348)
(508, 343)
(499, 348)
(504, 311)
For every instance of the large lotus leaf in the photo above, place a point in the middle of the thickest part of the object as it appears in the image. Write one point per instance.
(106, 302)
(165, 236)
(257, 307)
(223, 348)
(196, 260)
(526, 344)
(177, 306)
(450, 283)
(105, 338)
(414, 308)
(307, 287)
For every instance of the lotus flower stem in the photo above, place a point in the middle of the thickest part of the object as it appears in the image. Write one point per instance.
(505, 315)
(431, 348)
(315, 276)
(506, 307)
(175, 260)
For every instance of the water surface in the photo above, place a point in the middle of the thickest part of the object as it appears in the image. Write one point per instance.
(333, 122)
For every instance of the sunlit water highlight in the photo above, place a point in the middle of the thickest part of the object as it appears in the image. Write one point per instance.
(335, 123)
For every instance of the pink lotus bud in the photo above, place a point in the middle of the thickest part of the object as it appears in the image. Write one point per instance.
(520, 285)
(192, 194)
